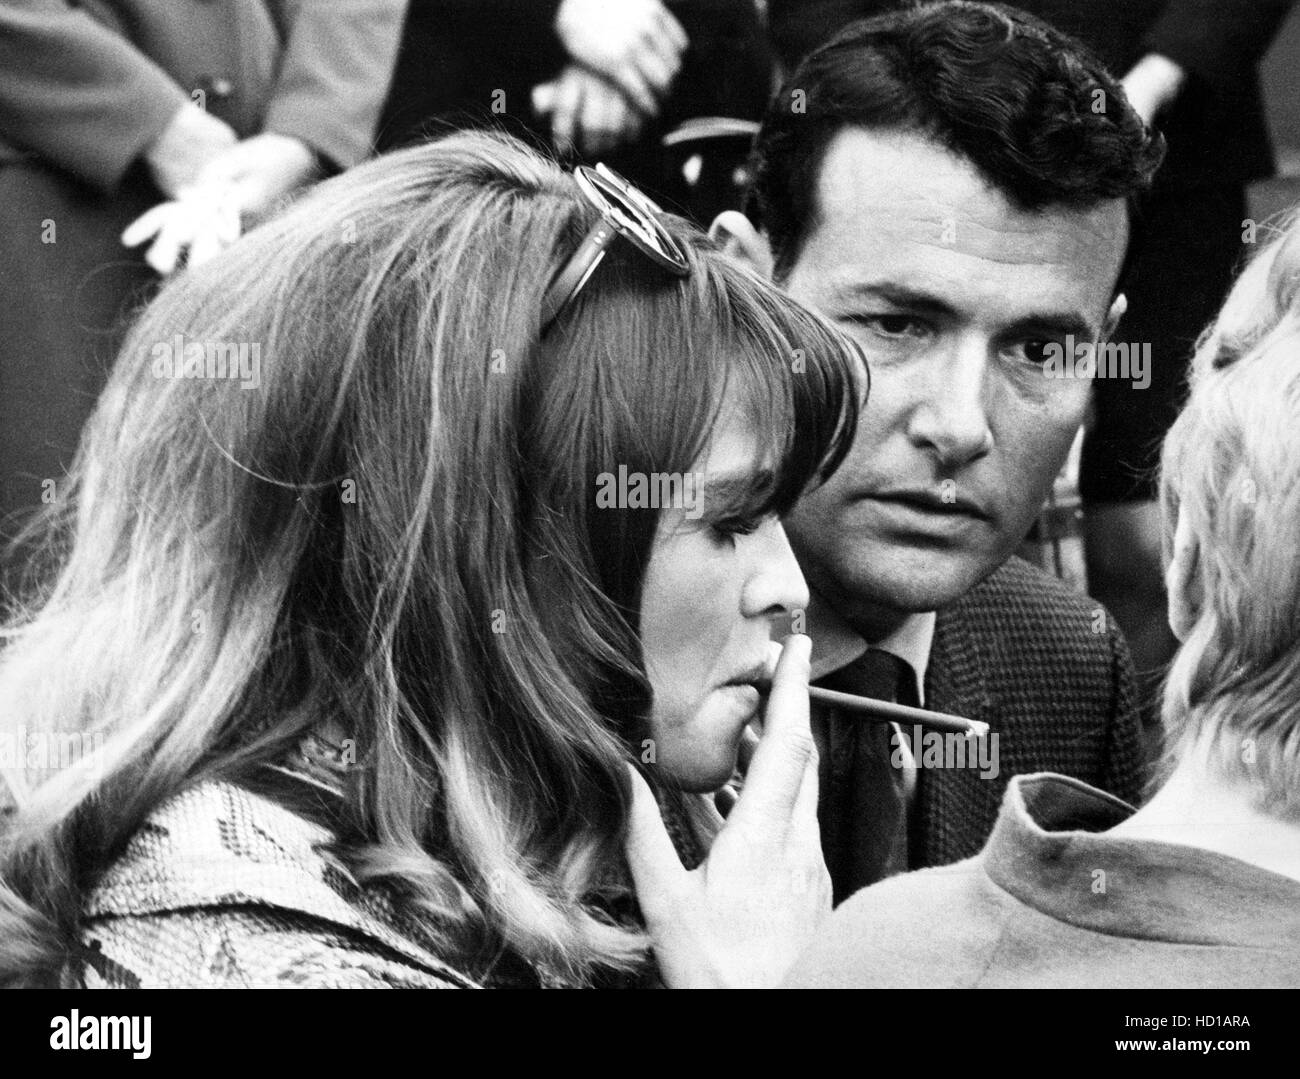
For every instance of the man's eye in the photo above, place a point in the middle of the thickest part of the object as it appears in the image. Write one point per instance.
(888, 325)
(891, 325)
(1037, 352)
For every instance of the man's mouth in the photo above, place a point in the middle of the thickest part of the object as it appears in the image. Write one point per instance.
(937, 502)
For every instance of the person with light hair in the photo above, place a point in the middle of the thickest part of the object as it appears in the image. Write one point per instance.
(1200, 888)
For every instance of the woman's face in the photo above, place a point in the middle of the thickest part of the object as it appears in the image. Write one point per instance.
(708, 602)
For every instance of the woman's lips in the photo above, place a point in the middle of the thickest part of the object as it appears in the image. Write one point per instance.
(748, 700)
(751, 684)
(755, 672)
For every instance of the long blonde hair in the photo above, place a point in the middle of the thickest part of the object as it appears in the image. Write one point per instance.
(391, 528)
(1231, 468)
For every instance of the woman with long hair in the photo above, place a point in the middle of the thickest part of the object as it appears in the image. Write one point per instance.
(382, 560)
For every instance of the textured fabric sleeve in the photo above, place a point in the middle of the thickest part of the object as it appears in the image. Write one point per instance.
(1220, 41)
(76, 93)
(335, 74)
(1123, 774)
(240, 948)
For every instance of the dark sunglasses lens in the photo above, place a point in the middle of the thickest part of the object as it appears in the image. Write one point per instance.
(635, 215)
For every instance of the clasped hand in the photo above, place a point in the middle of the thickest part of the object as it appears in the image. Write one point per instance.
(215, 184)
(742, 918)
(624, 56)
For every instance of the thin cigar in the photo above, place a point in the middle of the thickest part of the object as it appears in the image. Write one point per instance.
(877, 711)
(888, 712)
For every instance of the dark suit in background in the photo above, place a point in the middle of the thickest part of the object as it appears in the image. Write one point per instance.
(460, 57)
(84, 89)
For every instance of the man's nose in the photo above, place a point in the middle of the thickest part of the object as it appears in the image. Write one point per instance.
(950, 415)
(776, 585)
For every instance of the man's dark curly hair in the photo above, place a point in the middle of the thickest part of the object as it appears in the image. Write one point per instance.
(1032, 109)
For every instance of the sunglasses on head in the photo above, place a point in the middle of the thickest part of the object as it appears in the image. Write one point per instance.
(625, 212)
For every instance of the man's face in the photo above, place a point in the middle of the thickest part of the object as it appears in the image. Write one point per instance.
(953, 293)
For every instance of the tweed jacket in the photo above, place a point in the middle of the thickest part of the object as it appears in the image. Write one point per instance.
(1050, 672)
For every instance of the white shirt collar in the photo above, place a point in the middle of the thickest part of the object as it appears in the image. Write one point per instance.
(835, 644)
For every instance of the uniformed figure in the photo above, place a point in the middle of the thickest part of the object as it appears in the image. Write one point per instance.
(111, 107)
(604, 80)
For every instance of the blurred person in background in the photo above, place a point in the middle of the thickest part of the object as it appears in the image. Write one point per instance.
(596, 78)
(1200, 888)
(175, 124)
(1190, 68)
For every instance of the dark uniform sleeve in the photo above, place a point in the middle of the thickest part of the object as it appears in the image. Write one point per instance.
(799, 26)
(1218, 41)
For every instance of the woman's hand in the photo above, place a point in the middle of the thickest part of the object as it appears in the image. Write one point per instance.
(587, 112)
(742, 918)
(636, 44)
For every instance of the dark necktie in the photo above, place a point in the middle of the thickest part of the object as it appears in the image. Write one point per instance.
(863, 811)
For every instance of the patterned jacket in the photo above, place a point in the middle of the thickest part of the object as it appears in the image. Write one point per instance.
(223, 888)
(1050, 672)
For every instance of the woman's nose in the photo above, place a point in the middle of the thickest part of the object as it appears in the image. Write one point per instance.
(776, 585)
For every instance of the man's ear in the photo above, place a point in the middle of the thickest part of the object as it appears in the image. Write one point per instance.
(736, 235)
(1182, 581)
(1117, 310)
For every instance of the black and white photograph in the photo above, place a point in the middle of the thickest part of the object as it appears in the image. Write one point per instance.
(651, 494)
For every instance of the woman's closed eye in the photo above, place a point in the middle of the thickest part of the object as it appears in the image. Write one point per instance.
(726, 528)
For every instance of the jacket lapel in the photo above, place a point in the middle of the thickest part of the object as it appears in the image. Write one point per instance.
(954, 808)
(955, 677)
